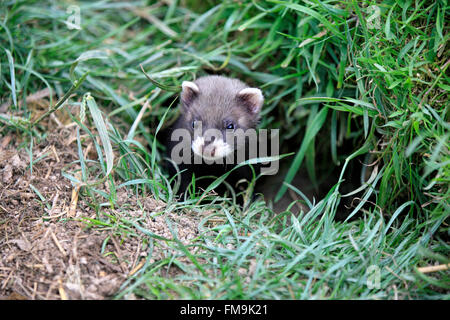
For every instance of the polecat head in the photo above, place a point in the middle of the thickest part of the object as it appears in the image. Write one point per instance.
(218, 104)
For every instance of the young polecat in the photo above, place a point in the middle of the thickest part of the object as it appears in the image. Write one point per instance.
(213, 109)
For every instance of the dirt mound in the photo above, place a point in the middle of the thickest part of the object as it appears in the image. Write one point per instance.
(47, 250)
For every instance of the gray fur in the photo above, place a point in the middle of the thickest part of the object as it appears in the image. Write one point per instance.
(217, 104)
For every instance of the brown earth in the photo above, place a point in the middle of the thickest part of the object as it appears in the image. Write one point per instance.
(47, 248)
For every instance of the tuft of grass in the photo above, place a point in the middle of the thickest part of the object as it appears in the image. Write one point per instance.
(343, 81)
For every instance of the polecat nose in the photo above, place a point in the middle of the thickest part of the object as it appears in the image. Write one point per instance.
(210, 153)
(209, 150)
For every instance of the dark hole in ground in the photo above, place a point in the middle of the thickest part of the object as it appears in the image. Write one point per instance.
(327, 177)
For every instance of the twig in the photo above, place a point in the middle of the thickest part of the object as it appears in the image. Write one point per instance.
(429, 269)
(119, 255)
(74, 200)
(58, 244)
(62, 292)
(137, 268)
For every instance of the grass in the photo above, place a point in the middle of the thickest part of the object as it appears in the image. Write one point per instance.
(342, 87)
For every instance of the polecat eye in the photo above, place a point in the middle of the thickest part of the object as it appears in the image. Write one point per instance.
(230, 126)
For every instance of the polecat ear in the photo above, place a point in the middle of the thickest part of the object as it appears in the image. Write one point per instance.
(188, 92)
(252, 98)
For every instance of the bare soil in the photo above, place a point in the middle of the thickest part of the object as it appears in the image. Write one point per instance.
(47, 248)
